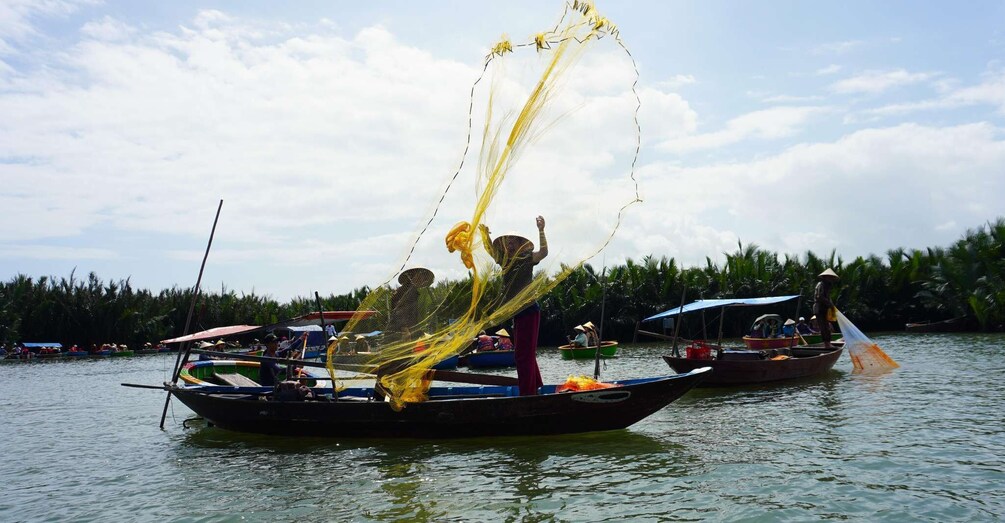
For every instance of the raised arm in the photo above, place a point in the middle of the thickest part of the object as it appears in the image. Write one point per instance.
(542, 251)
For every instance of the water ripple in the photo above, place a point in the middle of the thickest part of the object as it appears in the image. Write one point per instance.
(925, 442)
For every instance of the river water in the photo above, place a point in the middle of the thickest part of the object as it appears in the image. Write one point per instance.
(925, 442)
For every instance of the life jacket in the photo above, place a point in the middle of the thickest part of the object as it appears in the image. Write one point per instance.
(505, 344)
(485, 343)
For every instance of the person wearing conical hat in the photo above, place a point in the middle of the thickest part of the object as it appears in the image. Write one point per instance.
(592, 338)
(517, 257)
(362, 344)
(822, 304)
(403, 319)
(504, 342)
(581, 339)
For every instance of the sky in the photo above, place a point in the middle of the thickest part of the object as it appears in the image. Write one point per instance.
(330, 130)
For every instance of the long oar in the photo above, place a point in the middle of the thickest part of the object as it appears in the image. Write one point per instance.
(180, 360)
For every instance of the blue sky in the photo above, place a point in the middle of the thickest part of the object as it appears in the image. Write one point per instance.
(330, 128)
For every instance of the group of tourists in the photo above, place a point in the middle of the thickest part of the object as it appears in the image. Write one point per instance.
(586, 336)
(343, 344)
(21, 351)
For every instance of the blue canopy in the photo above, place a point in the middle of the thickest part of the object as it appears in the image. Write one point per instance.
(722, 302)
(37, 345)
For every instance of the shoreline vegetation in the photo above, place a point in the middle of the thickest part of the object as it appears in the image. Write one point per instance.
(965, 280)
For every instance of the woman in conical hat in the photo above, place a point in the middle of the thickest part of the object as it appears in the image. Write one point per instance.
(517, 257)
(504, 343)
(822, 304)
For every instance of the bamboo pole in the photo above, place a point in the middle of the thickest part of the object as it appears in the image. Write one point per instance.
(181, 359)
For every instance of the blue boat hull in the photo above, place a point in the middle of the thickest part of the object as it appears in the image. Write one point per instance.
(485, 360)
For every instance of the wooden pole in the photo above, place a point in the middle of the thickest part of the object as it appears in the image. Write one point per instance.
(600, 333)
(181, 359)
(676, 325)
(792, 341)
(722, 317)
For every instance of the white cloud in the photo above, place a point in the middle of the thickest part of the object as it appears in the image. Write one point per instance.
(830, 69)
(16, 18)
(305, 136)
(874, 82)
(784, 99)
(766, 124)
(107, 28)
(841, 47)
(866, 192)
(677, 81)
(991, 91)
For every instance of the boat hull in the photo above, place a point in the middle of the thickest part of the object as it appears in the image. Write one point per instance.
(490, 359)
(502, 414)
(608, 349)
(746, 372)
(769, 343)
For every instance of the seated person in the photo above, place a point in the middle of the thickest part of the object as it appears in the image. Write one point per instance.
(581, 339)
(504, 342)
(802, 327)
(362, 344)
(789, 328)
(592, 338)
(484, 342)
(757, 330)
(813, 322)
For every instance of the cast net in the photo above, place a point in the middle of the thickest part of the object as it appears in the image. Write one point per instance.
(866, 356)
(558, 115)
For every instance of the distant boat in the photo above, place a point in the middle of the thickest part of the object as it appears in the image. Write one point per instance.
(745, 367)
(608, 349)
(950, 325)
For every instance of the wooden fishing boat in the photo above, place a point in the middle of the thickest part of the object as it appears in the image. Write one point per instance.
(76, 354)
(489, 359)
(744, 367)
(608, 349)
(450, 412)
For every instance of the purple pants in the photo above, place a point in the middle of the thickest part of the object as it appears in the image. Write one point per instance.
(525, 327)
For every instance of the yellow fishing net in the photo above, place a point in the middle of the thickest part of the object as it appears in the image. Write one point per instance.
(560, 139)
(866, 356)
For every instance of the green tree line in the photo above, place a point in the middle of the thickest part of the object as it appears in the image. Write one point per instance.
(965, 280)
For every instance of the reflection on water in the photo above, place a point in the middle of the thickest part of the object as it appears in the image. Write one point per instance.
(924, 442)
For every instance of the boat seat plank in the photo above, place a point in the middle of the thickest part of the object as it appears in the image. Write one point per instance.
(236, 380)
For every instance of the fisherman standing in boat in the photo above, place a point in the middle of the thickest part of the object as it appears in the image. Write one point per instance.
(517, 257)
(403, 319)
(822, 304)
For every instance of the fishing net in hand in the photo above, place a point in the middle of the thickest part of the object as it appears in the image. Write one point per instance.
(557, 114)
(866, 356)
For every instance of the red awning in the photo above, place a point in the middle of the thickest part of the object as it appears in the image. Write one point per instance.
(216, 332)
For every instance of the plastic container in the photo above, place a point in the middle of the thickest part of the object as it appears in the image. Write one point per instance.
(698, 350)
